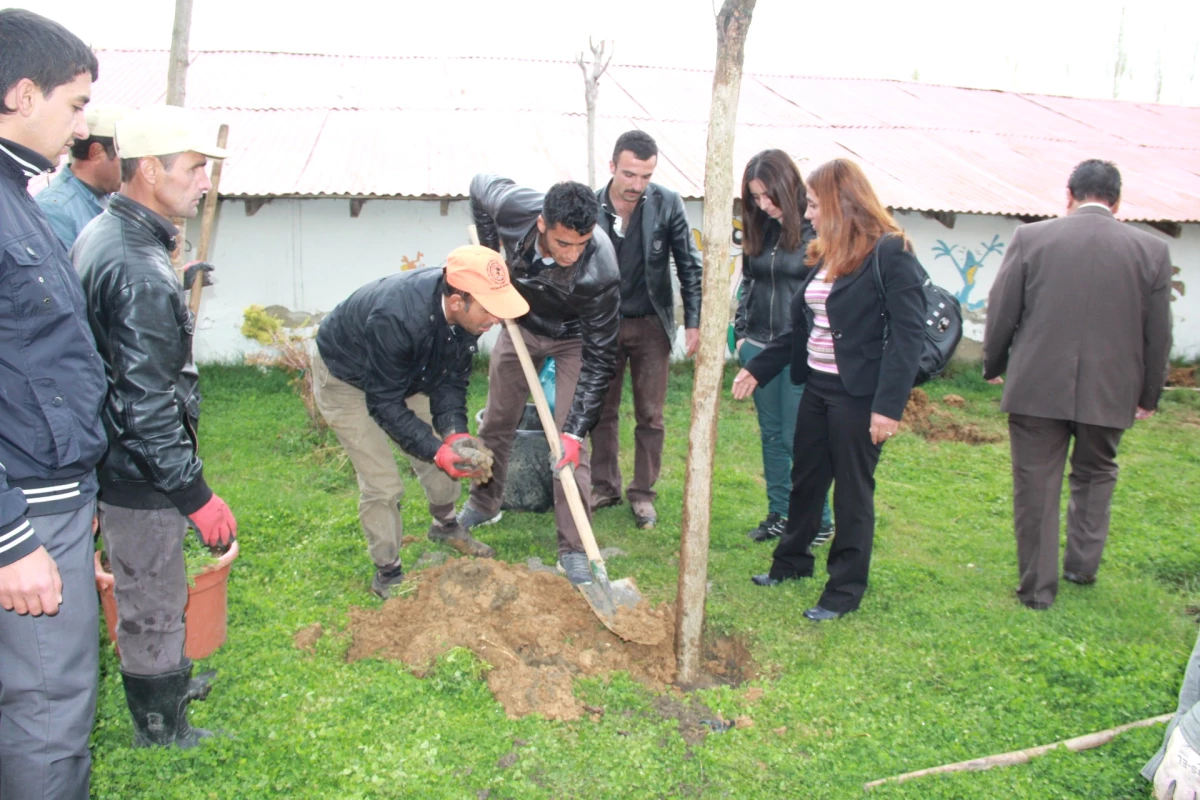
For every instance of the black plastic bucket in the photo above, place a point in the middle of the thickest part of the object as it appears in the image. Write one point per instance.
(529, 485)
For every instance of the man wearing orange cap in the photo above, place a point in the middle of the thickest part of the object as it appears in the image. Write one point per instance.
(151, 481)
(392, 365)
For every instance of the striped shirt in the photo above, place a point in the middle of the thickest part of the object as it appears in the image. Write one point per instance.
(820, 339)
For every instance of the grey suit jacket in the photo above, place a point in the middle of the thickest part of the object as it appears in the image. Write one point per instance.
(1079, 318)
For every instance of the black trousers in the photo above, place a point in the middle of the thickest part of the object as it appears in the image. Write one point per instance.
(832, 445)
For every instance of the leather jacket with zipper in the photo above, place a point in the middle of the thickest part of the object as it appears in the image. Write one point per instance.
(143, 330)
(582, 301)
(769, 280)
(391, 340)
(665, 233)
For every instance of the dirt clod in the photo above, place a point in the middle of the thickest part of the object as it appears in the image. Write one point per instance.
(532, 627)
(1182, 376)
(938, 425)
(476, 453)
(955, 400)
(306, 638)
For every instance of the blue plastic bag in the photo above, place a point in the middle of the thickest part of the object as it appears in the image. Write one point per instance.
(546, 376)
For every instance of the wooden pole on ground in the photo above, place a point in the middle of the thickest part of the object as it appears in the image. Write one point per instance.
(733, 23)
(1021, 756)
(176, 92)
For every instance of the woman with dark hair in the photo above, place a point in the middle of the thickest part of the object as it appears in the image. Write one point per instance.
(858, 379)
(775, 235)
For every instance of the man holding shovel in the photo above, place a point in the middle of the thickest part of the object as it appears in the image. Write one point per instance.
(392, 365)
(567, 271)
(151, 482)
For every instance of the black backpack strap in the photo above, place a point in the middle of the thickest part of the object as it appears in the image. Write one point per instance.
(878, 276)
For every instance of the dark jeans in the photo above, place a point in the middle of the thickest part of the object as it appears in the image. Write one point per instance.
(833, 445)
(777, 404)
(49, 668)
(643, 343)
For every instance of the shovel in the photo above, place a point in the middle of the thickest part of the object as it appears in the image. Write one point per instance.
(604, 596)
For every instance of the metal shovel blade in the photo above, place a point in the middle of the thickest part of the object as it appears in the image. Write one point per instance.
(606, 597)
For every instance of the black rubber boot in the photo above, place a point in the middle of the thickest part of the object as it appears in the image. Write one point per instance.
(159, 703)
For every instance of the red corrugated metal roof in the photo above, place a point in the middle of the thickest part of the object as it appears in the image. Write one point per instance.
(312, 125)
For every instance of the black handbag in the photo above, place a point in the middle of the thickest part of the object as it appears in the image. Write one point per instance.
(943, 322)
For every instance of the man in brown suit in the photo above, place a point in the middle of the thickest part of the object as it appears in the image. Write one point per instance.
(1080, 319)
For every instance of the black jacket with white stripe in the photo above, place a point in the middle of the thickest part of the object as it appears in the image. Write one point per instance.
(51, 378)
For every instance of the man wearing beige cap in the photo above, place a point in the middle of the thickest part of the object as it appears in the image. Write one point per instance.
(80, 192)
(151, 481)
(392, 365)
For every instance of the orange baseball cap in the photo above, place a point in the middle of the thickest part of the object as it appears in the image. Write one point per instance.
(480, 272)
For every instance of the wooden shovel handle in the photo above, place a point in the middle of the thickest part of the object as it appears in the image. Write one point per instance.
(570, 488)
(207, 219)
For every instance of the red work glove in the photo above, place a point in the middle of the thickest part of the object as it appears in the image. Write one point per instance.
(570, 449)
(215, 523)
(448, 461)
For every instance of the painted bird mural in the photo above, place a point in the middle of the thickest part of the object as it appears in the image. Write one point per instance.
(969, 268)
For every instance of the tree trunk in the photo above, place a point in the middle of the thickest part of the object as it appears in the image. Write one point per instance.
(591, 91)
(733, 22)
(176, 91)
(177, 69)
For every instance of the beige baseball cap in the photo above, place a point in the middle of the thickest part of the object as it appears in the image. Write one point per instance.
(102, 119)
(162, 130)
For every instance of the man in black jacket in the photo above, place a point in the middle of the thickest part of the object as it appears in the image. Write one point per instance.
(392, 365)
(51, 389)
(647, 225)
(566, 269)
(152, 481)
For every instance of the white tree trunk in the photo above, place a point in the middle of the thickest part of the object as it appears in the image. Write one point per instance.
(733, 22)
(176, 92)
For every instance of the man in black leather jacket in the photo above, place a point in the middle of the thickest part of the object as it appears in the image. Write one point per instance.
(567, 271)
(51, 389)
(152, 481)
(647, 225)
(392, 365)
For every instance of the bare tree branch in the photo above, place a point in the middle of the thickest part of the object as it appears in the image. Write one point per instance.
(591, 91)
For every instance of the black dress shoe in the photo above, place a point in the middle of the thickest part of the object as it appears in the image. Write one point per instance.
(819, 614)
(765, 579)
(1080, 578)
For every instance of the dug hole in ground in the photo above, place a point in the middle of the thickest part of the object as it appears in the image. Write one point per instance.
(535, 630)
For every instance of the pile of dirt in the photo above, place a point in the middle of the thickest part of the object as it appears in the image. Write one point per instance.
(1182, 376)
(935, 424)
(534, 629)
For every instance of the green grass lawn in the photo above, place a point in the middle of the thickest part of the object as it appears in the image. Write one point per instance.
(941, 664)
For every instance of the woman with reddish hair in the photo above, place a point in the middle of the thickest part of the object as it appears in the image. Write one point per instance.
(857, 351)
(775, 237)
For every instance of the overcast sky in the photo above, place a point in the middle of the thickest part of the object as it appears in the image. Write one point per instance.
(1146, 51)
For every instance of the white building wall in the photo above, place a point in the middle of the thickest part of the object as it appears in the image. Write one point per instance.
(309, 255)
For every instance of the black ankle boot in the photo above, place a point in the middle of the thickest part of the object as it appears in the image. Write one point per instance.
(159, 703)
